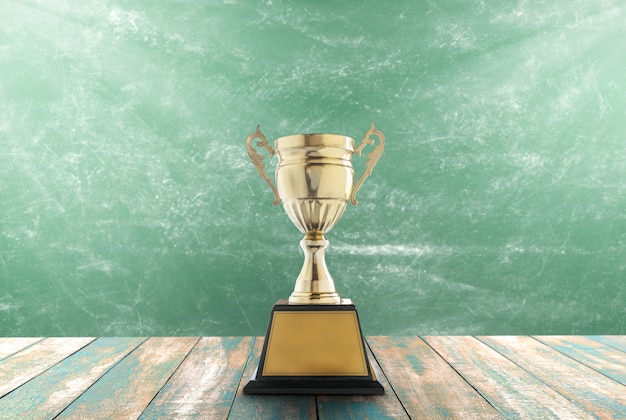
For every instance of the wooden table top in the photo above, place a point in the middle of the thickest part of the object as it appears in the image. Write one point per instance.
(424, 377)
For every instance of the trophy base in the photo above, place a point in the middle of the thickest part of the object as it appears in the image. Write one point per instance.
(314, 349)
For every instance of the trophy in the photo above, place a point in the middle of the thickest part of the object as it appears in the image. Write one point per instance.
(314, 343)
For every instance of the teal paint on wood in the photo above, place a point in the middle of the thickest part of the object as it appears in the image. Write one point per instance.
(48, 394)
(128, 205)
(596, 393)
(24, 365)
(208, 379)
(126, 389)
(425, 383)
(502, 382)
(612, 341)
(600, 357)
(204, 386)
(362, 408)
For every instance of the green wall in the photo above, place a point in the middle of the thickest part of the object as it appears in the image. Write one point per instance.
(128, 205)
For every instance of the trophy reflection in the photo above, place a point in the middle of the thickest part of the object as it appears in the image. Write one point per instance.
(314, 343)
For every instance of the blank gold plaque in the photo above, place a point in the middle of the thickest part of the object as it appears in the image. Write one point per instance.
(315, 343)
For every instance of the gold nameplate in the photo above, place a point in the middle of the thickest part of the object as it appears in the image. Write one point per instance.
(315, 343)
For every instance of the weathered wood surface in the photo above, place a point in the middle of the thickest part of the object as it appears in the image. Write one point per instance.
(9, 346)
(616, 341)
(204, 385)
(588, 388)
(127, 389)
(32, 361)
(48, 394)
(505, 385)
(607, 360)
(426, 384)
(424, 377)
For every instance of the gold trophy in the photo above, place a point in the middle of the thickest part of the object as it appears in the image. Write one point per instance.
(314, 343)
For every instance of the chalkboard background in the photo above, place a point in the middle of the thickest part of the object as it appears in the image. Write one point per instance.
(128, 205)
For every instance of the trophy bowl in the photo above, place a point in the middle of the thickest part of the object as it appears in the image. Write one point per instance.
(315, 181)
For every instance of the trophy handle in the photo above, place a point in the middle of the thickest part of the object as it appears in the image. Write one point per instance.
(372, 158)
(257, 159)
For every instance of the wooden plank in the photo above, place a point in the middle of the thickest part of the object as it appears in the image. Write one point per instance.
(607, 360)
(509, 388)
(32, 361)
(204, 385)
(616, 341)
(425, 384)
(127, 389)
(49, 393)
(10, 346)
(268, 406)
(599, 395)
(386, 406)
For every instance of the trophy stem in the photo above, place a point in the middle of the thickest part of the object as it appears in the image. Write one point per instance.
(314, 285)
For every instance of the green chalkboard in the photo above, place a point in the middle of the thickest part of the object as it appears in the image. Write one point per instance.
(128, 205)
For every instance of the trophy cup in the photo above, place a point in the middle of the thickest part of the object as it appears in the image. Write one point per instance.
(314, 343)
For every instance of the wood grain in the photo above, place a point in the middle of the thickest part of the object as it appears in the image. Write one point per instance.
(508, 387)
(386, 406)
(596, 393)
(127, 389)
(425, 384)
(205, 384)
(30, 362)
(429, 377)
(616, 341)
(605, 359)
(9, 346)
(269, 406)
(48, 394)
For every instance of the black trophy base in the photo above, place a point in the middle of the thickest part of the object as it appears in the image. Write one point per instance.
(314, 349)
(321, 386)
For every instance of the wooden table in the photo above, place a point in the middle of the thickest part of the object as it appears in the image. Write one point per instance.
(424, 377)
